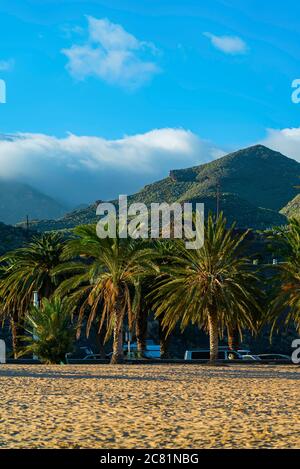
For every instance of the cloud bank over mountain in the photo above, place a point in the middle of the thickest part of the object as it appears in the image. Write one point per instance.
(79, 169)
(76, 169)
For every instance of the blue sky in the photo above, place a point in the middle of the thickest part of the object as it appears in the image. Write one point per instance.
(219, 71)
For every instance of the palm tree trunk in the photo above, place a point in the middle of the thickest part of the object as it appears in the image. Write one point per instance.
(117, 356)
(100, 343)
(47, 290)
(163, 342)
(15, 333)
(141, 332)
(233, 338)
(213, 335)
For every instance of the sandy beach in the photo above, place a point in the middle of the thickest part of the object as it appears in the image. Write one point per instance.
(149, 406)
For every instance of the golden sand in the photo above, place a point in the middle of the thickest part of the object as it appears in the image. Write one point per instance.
(149, 406)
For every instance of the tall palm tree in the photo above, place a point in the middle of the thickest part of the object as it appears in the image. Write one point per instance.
(210, 286)
(24, 271)
(285, 305)
(142, 306)
(143, 301)
(140, 309)
(104, 273)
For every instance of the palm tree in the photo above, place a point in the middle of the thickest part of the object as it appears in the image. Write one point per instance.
(103, 279)
(286, 292)
(143, 302)
(140, 309)
(211, 286)
(142, 306)
(233, 336)
(24, 271)
(51, 333)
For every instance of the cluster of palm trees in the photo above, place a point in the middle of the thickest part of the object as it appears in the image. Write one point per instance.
(85, 281)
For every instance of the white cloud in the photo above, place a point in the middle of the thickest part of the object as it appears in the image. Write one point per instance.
(79, 169)
(286, 141)
(6, 65)
(113, 55)
(82, 168)
(228, 44)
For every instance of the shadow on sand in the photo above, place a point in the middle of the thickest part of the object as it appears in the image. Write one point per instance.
(164, 375)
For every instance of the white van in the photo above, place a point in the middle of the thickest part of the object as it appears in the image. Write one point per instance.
(224, 353)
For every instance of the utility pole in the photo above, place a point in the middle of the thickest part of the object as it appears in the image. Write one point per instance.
(27, 226)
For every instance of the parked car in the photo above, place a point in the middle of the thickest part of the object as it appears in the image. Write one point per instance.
(81, 353)
(250, 357)
(224, 353)
(95, 356)
(274, 356)
(152, 350)
(244, 352)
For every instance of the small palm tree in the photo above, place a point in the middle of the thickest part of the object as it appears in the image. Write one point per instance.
(51, 333)
(24, 271)
(105, 272)
(285, 305)
(212, 286)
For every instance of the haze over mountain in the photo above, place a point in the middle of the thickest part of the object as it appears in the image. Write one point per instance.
(254, 184)
(18, 200)
(76, 168)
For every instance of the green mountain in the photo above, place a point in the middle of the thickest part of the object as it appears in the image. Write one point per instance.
(241, 211)
(253, 185)
(261, 176)
(18, 200)
(292, 209)
(12, 237)
(70, 220)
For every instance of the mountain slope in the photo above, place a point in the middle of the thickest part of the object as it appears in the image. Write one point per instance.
(11, 237)
(238, 210)
(292, 209)
(254, 184)
(262, 176)
(70, 220)
(18, 200)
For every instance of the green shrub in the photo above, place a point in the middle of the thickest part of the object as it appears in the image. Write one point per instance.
(51, 331)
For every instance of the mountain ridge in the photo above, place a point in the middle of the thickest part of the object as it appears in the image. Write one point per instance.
(252, 184)
(292, 209)
(17, 200)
